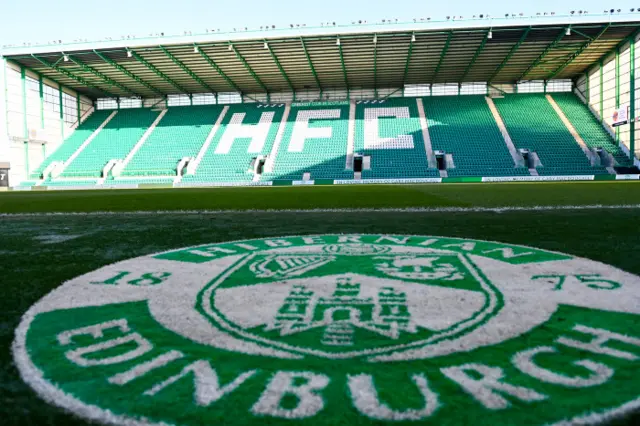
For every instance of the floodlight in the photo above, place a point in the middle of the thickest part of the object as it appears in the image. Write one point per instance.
(266, 46)
(490, 34)
(231, 47)
(568, 31)
(337, 42)
(129, 54)
(195, 49)
(375, 39)
(413, 38)
(66, 58)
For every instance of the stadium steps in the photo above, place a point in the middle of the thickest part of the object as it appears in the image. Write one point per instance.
(115, 141)
(589, 127)
(398, 150)
(515, 155)
(426, 136)
(76, 142)
(465, 128)
(314, 141)
(246, 132)
(535, 126)
(120, 166)
(181, 133)
(269, 164)
(193, 165)
(571, 129)
(351, 136)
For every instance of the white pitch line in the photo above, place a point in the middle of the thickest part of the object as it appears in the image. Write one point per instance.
(337, 210)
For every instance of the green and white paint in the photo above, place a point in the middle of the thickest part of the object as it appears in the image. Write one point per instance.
(340, 329)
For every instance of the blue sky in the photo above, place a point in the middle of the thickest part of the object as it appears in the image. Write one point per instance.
(46, 20)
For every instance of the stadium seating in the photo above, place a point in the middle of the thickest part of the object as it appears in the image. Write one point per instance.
(315, 141)
(464, 127)
(73, 142)
(588, 126)
(115, 141)
(246, 132)
(180, 133)
(397, 150)
(534, 125)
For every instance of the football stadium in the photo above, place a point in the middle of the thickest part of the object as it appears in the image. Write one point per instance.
(434, 221)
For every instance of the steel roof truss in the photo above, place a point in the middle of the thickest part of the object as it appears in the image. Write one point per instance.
(157, 71)
(578, 52)
(442, 55)
(475, 57)
(277, 62)
(544, 53)
(72, 76)
(102, 76)
(406, 65)
(313, 70)
(218, 69)
(184, 68)
(248, 68)
(127, 73)
(344, 67)
(512, 52)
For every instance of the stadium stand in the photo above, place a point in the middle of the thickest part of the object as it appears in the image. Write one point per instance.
(315, 142)
(181, 133)
(73, 142)
(588, 126)
(397, 151)
(464, 127)
(535, 126)
(246, 132)
(113, 142)
(241, 143)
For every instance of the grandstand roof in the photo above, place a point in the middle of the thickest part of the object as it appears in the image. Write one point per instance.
(334, 57)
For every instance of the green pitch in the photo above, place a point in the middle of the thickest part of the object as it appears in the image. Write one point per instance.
(40, 252)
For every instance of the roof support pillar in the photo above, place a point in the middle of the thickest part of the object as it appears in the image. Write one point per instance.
(618, 89)
(601, 91)
(41, 91)
(79, 110)
(23, 80)
(61, 111)
(632, 96)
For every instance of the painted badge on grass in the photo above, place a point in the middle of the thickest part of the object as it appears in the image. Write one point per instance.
(339, 329)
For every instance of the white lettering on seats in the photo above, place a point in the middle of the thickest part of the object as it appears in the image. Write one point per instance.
(78, 356)
(365, 399)
(258, 133)
(600, 373)
(488, 388)
(600, 338)
(301, 130)
(372, 138)
(284, 383)
(206, 382)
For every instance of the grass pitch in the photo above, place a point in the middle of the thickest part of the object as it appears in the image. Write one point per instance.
(40, 252)
(326, 197)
